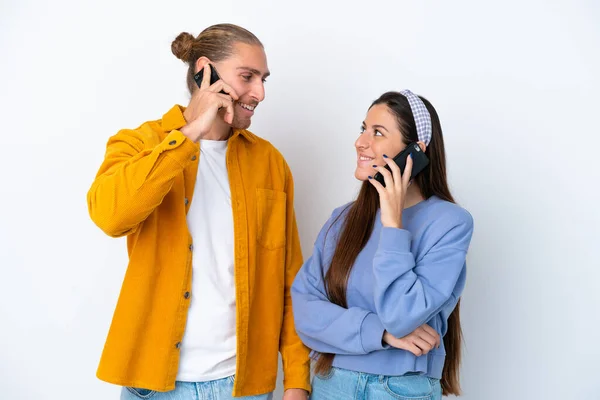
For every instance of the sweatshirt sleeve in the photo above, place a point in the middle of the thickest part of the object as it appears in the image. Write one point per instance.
(409, 292)
(324, 326)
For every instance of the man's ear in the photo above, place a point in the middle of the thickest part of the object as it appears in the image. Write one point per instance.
(200, 63)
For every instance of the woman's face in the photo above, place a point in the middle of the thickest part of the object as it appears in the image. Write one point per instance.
(379, 135)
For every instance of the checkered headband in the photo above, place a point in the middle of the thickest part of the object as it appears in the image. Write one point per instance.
(421, 116)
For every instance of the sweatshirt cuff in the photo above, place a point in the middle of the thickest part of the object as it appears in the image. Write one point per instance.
(371, 333)
(394, 239)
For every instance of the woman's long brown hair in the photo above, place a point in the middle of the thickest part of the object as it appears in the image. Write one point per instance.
(358, 226)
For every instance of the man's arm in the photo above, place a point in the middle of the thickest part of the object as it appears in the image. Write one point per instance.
(295, 355)
(134, 179)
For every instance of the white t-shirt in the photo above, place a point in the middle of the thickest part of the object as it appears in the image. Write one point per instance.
(208, 349)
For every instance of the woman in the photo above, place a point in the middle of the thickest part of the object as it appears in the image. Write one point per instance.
(387, 270)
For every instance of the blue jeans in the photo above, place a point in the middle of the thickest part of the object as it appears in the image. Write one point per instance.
(341, 384)
(213, 390)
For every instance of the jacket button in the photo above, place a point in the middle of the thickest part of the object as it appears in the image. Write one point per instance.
(186, 295)
(186, 201)
(193, 158)
(178, 345)
(191, 247)
(173, 142)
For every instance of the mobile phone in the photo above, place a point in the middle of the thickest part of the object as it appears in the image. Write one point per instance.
(214, 76)
(420, 161)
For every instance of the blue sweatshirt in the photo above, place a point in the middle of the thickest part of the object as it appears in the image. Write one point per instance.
(402, 279)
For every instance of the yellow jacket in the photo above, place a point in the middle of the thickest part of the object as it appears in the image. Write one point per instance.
(143, 190)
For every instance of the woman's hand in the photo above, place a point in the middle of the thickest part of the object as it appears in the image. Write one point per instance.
(393, 195)
(420, 342)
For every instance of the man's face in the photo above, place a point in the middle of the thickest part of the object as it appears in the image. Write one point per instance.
(245, 71)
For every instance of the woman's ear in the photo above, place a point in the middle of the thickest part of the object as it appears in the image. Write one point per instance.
(422, 146)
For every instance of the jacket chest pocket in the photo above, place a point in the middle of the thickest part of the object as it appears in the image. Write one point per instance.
(271, 218)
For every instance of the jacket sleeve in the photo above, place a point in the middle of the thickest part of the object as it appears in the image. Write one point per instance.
(134, 178)
(294, 355)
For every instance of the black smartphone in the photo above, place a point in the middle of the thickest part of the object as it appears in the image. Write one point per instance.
(214, 76)
(420, 161)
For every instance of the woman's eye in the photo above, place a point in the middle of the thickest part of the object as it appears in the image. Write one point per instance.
(377, 133)
(362, 129)
(247, 77)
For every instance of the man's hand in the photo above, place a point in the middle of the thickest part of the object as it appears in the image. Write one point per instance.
(204, 106)
(295, 394)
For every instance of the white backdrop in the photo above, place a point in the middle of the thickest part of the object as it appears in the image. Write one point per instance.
(513, 83)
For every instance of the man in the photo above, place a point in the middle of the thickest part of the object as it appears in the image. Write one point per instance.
(207, 208)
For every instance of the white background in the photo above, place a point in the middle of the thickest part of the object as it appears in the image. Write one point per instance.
(514, 85)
